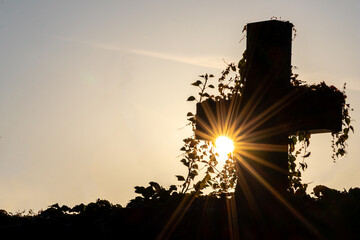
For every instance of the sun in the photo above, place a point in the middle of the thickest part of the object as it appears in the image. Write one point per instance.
(224, 146)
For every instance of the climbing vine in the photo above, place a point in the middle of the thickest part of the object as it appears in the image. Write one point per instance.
(302, 138)
(201, 155)
(201, 159)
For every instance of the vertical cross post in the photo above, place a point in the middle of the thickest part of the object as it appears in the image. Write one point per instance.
(267, 91)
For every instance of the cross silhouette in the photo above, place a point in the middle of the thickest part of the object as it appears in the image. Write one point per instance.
(268, 111)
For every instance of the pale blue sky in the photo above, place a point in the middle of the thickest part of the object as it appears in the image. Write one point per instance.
(92, 93)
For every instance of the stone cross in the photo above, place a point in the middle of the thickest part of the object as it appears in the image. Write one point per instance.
(269, 110)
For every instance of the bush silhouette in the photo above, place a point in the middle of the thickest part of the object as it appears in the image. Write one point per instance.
(331, 213)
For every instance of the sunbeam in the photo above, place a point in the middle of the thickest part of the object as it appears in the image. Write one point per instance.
(277, 195)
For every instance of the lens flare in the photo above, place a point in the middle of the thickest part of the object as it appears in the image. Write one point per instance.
(224, 146)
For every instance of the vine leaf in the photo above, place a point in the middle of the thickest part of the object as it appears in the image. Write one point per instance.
(347, 120)
(180, 178)
(197, 83)
(191, 98)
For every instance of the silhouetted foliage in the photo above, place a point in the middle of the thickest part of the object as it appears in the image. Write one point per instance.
(152, 195)
(331, 214)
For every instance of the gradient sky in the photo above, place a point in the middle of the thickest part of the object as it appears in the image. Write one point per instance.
(93, 93)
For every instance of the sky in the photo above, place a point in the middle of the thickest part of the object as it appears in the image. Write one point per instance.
(93, 93)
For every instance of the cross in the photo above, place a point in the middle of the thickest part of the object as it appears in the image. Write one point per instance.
(268, 111)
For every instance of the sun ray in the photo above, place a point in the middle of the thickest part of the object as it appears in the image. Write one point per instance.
(205, 135)
(234, 107)
(262, 134)
(176, 217)
(261, 147)
(262, 161)
(246, 189)
(237, 125)
(256, 121)
(212, 119)
(277, 195)
(206, 214)
(232, 218)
